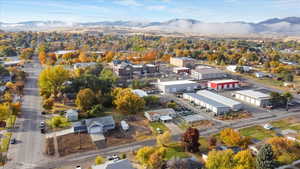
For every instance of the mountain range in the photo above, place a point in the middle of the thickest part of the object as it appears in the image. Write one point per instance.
(280, 26)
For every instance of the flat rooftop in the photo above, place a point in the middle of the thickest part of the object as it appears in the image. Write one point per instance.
(184, 58)
(219, 98)
(224, 81)
(206, 100)
(253, 94)
(177, 82)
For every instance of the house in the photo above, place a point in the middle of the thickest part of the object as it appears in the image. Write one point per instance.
(223, 84)
(192, 119)
(84, 65)
(187, 163)
(160, 115)
(72, 115)
(210, 104)
(177, 86)
(181, 70)
(12, 63)
(234, 105)
(253, 97)
(114, 164)
(206, 72)
(62, 52)
(100, 124)
(182, 61)
(95, 125)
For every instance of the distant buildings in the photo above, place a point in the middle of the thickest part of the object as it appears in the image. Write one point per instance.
(253, 97)
(206, 72)
(180, 70)
(182, 61)
(177, 86)
(223, 84)
(84, 65)
(234, 68)
(126, 69)
(72, 115)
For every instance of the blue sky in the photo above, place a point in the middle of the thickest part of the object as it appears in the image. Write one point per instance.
(146, 10)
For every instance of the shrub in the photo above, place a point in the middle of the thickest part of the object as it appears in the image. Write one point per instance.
(99, 160)
(58, 122)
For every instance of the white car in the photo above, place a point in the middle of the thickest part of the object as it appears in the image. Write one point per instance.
(268, 126)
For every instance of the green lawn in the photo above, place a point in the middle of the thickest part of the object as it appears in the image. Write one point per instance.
(203, 144)
(257, 132)
(155, 125)
(285, 124)
(175, 150)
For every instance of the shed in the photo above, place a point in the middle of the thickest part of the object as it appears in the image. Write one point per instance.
(72, 115)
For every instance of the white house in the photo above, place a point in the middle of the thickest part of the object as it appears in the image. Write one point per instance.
(161, 114)
(100, 125)
(72, 115)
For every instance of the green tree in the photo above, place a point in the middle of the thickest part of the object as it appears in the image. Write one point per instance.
(108, 74)
(265, 158)
(96, 110)
(85, 99)
(58, 122)
(51, 79)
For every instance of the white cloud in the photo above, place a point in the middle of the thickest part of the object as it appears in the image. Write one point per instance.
(128, 3)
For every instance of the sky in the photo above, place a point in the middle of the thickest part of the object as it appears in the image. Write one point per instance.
(146, 10)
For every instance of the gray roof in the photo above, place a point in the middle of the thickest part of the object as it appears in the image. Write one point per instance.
(253, 94)
(206, 100)
(208, 70)
(106, 121)
(222, 99)
(121, 164)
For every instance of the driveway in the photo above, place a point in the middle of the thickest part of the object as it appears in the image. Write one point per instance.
(175, 130)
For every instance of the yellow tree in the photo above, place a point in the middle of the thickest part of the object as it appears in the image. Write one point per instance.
(129, 103)
(5, 111)
(51, 79)
(99, 160)
(143, 155)
(43, 57)
(220, 160)
(83, 57)
(244, 160)
(230, 137)
(85, 99)
(163, 139)
(156, 158)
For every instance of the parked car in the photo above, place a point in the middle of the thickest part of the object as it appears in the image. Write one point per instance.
(13, 141)
(43, 113)
(268, 126)
(159, 131)
(78, 167)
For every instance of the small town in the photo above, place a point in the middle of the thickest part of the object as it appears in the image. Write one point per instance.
(115, 95)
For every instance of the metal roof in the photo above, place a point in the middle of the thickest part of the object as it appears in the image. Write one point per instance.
(177, 82)
(207, 100)
(253, 94)
(219, 98)
(224, 81)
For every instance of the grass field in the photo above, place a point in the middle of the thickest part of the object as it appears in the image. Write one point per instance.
(257, 132)
(155, 125)
(286, 124)
(175, 150)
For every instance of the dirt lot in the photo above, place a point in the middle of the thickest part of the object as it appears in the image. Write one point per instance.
(73, 143)
(138, 130)
(50, 150)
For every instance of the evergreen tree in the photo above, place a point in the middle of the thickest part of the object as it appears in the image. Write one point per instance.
(265, 158)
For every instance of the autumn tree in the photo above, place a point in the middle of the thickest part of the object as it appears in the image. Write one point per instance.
(99, 160)
(212, 142)
(143, 155)
(156, 159)
(190, 140)
(265, 158)
(85, 99)
(244, 160)
(128, 102)
(51, 79)
(220, 160)
(5, 111)
(233, 138)
(43, 57)
(83, 57)
(48, 104)
(26, 53)
(163, 139)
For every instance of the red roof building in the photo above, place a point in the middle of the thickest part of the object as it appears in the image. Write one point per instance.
(223, 84)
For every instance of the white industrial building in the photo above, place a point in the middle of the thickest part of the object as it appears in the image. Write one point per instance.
(206, 72)
(211, 104)
(253, 97)
(234, 105)
(177, 86)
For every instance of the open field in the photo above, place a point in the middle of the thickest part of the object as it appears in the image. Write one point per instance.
(288, 123)
(257, 132)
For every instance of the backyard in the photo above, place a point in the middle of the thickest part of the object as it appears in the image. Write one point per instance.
(257, 132)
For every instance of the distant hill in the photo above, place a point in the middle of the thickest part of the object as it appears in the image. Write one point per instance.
(280, 26)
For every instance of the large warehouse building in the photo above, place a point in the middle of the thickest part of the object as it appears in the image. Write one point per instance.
(253, 97)
(177, 86)
(211, 104)
(234, 105)
(206, 72)
(223, 84)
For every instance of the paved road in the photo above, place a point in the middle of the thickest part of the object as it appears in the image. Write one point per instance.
(29, 148)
